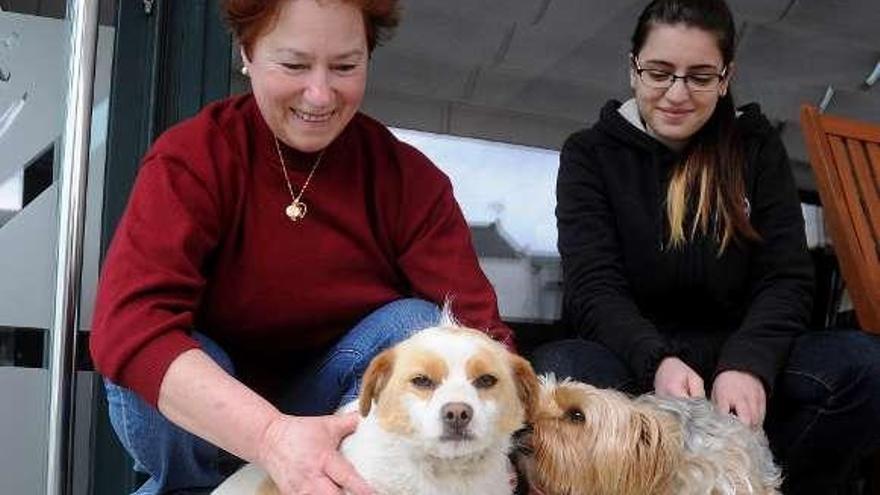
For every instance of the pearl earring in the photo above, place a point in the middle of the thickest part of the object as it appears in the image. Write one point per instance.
(244, 71)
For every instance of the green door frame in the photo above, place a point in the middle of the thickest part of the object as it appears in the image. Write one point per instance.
(170, 59)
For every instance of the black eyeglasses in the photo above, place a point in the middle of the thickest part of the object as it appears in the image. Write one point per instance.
(662, 79)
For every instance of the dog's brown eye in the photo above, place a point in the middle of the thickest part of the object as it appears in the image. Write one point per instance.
(485, 381)
(422, 381)
(575, 415)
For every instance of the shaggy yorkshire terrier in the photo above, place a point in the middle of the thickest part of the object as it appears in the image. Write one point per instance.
(586, 440)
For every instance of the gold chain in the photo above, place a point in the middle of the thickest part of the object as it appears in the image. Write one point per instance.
(297, 209)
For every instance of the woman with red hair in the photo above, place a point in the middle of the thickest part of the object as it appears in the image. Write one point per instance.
(272, 245)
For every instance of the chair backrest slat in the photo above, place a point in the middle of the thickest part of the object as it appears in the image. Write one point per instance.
(867, 184)
(851, 168)
(873, 183)
(841, 126)
(845, 156)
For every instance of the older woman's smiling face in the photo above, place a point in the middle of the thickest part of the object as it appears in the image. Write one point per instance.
(675, 114)
(309, 71)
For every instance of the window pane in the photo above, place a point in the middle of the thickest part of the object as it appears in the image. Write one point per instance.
(507, 195)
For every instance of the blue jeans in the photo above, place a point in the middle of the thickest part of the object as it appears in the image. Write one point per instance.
(823, 417)
(175, 459)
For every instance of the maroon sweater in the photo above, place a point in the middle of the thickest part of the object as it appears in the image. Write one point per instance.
(204, 245)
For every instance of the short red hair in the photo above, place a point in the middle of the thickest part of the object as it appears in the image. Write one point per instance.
(248, 19)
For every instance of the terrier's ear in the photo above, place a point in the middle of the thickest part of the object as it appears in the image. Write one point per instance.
(657, 448)
(375, 380)
(527, 386)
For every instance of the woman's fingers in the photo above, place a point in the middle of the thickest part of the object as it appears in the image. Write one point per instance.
(695, 385)
(343, 474)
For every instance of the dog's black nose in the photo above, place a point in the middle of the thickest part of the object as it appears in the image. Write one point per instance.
(456, 416)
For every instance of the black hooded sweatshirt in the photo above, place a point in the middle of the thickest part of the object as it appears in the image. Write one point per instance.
(625, 288)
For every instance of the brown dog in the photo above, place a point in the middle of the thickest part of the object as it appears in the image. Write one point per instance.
(586, 440)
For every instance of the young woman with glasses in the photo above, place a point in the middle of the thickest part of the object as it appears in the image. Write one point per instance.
(685, 262)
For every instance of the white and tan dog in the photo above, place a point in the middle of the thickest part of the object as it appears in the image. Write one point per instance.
(438, 413)
(593, 441)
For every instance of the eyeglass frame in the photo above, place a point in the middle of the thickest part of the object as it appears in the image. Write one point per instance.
(674, 77)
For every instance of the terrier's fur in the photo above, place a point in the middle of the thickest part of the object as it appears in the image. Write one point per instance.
(593, 441)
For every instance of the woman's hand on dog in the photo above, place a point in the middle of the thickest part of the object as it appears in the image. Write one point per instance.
(676, 379)
(302, 455)
(741, 394)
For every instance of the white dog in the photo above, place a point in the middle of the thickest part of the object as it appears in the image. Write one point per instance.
(438, 412)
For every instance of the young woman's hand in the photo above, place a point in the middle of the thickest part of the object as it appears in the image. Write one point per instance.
(677, 379)
(302, 455)
(741, 394)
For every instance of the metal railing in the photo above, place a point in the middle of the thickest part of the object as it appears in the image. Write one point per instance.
(83, 18)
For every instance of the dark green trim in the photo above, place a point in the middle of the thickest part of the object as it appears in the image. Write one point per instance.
(166, 66)
(197, 66)
(129, 134)
(131, 128)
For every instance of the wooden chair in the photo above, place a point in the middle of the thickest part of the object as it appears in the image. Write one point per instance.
(845, 156)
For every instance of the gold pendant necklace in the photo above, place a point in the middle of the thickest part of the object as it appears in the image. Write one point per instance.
(297, 208)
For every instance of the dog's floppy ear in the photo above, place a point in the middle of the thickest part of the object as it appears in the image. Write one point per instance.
(657, 450)
(527, 386)
(375, 379)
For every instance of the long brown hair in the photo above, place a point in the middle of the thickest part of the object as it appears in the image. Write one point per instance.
(706, 191)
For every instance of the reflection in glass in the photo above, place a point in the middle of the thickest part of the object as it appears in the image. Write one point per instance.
(11, 112)
(33, 63)
(506, 193)
(7, 43)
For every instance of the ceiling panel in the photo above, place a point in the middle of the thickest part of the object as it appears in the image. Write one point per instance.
(459, 32)
(410, 73)
(856, 22)
(760, 11)
(783, 55)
